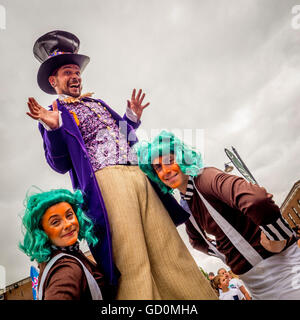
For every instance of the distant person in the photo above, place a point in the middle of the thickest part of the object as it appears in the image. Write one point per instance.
(53, 224)
(227, 293)
(232, 275)
(211, 275)
(246, 223)
(234, 282)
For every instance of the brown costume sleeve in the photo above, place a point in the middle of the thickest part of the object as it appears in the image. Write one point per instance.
(65, 281)
(252, 200)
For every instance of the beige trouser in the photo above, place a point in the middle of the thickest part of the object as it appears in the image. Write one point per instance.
(147, 249)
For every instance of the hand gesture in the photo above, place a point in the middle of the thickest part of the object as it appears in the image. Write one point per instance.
(37, 112)
(136, 103)
(272, 245)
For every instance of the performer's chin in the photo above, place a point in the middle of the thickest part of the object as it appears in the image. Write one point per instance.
(74, 93)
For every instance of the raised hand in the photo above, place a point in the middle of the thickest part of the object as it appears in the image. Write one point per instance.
(37, 112)
(135, 104)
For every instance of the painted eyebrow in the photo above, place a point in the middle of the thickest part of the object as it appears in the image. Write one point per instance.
(53, 217)
(57, 215)
(169, 159)
(156, 165)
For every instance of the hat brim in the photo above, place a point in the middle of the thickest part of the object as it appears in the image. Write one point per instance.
(51, 64)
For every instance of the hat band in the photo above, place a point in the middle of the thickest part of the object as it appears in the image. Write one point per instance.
(56, 53)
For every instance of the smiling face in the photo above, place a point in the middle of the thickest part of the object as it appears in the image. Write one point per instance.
(170, 173)
(67, 80)
(60, 224)
(223, 272)
(224, 283)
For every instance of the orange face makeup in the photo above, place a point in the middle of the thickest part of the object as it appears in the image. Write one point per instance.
(60, 224)
(169, 171)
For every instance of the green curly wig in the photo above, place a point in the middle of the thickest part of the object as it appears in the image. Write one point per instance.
(36, 243)
(189, 161)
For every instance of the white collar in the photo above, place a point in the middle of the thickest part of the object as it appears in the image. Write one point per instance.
(63, 96)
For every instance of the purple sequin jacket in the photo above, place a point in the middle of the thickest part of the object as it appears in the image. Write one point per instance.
(65, 152)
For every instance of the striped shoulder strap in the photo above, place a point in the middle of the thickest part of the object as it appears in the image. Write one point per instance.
(240, 243)
(215, 251)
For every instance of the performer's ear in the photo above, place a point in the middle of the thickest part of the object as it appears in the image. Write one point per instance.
(51, 79)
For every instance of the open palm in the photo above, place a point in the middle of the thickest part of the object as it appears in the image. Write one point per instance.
(135, 104)
(37, 112)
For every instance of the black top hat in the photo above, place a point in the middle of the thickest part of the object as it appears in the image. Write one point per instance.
(55, 49)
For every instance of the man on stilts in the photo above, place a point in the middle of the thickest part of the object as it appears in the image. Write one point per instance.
(133, 219)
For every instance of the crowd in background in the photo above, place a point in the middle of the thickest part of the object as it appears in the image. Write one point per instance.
(228, 286)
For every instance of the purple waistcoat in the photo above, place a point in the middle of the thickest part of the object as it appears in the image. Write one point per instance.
(65, 152)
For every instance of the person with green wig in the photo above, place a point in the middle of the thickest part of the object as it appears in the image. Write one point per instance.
(54, 223)
(251, 236)
(90, 141)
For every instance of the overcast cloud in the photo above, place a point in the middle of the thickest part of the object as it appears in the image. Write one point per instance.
(228, 67)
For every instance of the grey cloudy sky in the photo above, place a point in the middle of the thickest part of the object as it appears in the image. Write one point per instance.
(228, 67)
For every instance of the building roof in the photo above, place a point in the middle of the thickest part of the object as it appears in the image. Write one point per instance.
(290, 208)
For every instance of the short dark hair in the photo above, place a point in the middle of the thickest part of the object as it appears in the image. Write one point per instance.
(54, 73)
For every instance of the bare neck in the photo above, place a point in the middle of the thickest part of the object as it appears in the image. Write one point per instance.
(182, 187)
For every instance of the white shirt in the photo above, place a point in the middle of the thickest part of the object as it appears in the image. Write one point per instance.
(232, 294)
(234, 283)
